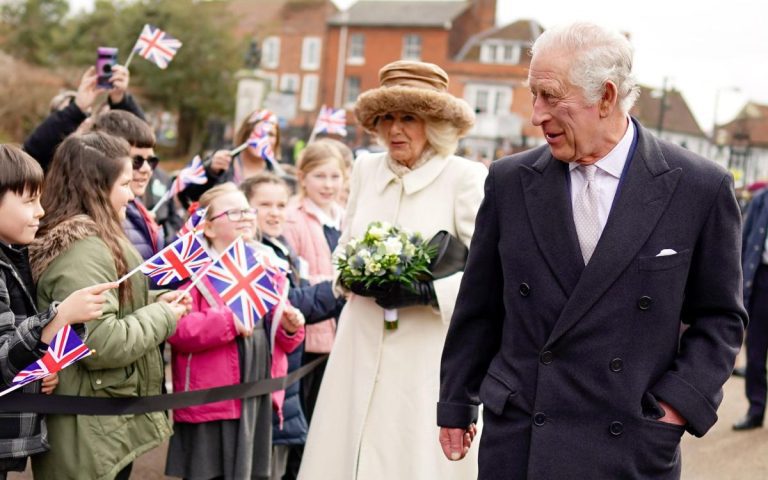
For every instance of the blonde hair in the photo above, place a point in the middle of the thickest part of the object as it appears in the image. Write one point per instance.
(251, 184)
(207, 198)
(442, 136)
(318, 154)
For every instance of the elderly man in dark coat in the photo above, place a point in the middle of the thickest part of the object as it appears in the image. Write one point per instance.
(601, 308)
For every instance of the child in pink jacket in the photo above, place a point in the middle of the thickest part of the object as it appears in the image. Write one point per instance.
(211, 348)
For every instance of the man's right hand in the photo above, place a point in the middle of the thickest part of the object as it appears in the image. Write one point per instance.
(85, 304)
(87, 91)
(455, 442)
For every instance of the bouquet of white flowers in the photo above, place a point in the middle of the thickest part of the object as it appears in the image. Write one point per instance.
(386, 255)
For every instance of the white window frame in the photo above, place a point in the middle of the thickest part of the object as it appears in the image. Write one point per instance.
(498, 98)
(270, 52)
(412, 46)
(311, 49)
(271, 79)
(496, 52)
(309, 90)
(348, 91)
(290, 79)
(356, 50)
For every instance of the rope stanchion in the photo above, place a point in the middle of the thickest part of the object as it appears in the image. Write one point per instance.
(73, 405)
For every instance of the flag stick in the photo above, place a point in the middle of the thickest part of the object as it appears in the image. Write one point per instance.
(279, 310)
(237, 150)
(12, 389)
(166, 196)
(130, 57)
(129, 274)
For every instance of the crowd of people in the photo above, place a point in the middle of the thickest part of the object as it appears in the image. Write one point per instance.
(588, 254)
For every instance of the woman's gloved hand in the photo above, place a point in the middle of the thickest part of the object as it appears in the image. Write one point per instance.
(399, 295)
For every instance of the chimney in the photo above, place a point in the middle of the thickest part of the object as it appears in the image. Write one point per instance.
(485, 13)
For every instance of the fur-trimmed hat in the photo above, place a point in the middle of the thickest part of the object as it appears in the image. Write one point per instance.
(415, 87)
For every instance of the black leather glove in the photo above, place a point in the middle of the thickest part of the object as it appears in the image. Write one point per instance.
(363, 291)
(399, 295)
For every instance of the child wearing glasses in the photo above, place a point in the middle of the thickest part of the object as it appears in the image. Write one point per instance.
(269, 195)
(139, 225)
(212, 348)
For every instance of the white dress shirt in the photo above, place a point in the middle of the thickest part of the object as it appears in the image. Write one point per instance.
(607, 175)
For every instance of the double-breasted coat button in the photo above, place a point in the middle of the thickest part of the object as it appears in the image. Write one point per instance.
(644, 303)
(98, 381)
(617, 364)
(539, 418)
(546, 357)
(525, 289)
(616, 428)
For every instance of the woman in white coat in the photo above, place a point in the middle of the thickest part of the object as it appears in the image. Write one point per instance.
(376, 413)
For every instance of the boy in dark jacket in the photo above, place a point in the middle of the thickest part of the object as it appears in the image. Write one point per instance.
(24, 332)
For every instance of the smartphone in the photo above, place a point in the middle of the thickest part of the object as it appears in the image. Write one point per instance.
(106, 58)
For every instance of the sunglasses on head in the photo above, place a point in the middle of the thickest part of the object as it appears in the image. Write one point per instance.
(138, 161)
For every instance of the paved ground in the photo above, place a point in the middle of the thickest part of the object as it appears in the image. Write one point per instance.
(721, 455)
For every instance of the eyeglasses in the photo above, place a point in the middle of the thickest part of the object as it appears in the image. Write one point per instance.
(237, 214)
(138, 161)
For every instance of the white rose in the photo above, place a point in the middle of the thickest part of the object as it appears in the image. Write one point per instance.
(393, 246)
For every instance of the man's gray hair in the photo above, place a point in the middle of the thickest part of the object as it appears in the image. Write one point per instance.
(599, 55)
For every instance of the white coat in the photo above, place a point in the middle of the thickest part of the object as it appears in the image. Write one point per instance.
(376, 413)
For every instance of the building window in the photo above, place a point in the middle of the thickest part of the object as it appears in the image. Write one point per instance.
(270, 80)
(309, 92)
(412, 47)
(500, 52)
(352, 90)
(270, 56)
(289, 83)
(356, 54)
(511, 54)
(481, 100)
(489, 99)
(310, 53)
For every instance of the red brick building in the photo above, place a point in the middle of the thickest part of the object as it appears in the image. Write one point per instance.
(291, 38)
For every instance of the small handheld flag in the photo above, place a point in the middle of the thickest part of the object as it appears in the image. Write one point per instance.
(243, 284)
(332, 121)
(178, 261)
(156, 46)
(65, 349)
(260, 140)
(194, 223)
(194, 172)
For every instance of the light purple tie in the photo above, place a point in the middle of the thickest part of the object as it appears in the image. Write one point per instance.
(585, 213)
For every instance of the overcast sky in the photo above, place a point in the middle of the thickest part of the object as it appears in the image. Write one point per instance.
(700, 47)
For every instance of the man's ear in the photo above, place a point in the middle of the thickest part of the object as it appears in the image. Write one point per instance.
(608, 102)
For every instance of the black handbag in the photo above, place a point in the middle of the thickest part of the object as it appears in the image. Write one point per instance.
(450, 257)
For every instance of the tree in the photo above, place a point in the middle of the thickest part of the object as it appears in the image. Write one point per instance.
(30, 27)
(199, 82)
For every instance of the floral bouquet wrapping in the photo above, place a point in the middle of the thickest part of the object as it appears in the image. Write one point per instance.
(386, 255)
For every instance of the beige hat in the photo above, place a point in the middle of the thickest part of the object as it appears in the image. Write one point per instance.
(414, 87)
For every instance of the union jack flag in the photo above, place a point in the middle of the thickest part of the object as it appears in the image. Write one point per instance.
(332, 121)
(261, 142)
(194, 172)
(177, 261)
(243, 283)
(65, 349)
(194, 223)
(156, 46)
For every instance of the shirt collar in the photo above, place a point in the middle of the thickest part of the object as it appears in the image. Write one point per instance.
(613, 163)
(322, 217)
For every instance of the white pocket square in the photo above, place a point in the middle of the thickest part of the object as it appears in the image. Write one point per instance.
(666, 252)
